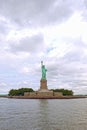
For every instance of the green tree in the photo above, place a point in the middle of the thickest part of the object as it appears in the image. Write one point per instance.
(65, 92)
(19, 92)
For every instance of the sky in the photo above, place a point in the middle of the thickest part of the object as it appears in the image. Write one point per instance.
(52, 31)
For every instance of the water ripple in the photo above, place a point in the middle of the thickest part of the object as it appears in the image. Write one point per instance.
(17, 114)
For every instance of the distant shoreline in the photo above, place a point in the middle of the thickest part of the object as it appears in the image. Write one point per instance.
(60, 97)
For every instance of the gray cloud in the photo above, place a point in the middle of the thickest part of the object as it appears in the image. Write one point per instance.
(32, 12)
(84, 12)
(3, 28)
(29, 44)
(4, 25)
(76, 54)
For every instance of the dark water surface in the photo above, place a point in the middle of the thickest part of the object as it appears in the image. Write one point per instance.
(31, 114)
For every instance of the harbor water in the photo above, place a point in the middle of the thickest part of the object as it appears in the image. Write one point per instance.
(43, 114)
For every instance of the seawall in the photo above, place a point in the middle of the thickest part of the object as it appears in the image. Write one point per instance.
(51, 97)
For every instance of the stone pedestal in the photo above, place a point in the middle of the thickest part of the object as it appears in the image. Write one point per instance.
(43, 84)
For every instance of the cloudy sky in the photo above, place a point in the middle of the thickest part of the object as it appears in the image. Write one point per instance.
(54, 31)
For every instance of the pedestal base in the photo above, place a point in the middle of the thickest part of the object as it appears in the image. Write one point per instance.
(43, 84)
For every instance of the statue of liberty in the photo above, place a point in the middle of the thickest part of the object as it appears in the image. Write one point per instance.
(43, 71)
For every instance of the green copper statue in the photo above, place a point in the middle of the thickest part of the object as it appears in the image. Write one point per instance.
(43, 71)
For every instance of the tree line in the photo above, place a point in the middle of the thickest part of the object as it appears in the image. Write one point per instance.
(65, 92)
(21, 91)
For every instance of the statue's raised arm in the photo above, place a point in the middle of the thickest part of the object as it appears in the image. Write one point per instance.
(43, 71)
